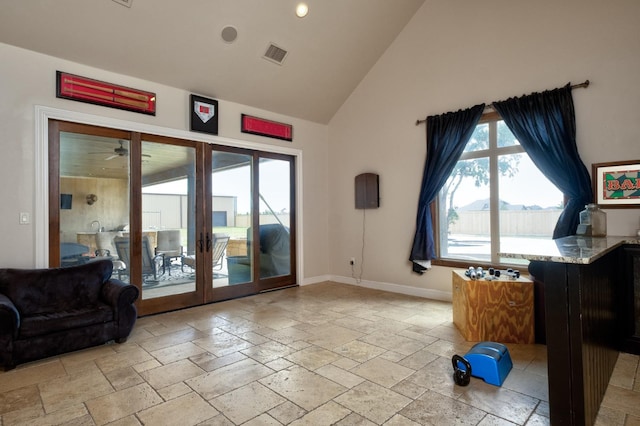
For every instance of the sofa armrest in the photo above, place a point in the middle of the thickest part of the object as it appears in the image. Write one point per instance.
(9, 317)
(119, 294)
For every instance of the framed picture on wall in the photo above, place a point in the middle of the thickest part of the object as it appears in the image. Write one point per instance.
(616, 184)
(204, 114)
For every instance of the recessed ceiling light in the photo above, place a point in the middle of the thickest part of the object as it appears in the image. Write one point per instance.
(301, 10)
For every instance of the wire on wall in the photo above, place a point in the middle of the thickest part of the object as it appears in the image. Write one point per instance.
(358, 277)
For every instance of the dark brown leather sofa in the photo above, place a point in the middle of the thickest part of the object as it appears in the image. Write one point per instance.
(46, 312)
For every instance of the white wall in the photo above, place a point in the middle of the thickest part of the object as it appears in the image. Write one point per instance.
(455, 54)
(27, 79)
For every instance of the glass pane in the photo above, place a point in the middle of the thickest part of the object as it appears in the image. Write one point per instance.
(168, 220)
(275, 207)
(231, 199)
(94, 205)
(505, 137)
(464, 212)
(529, 204)
(479, 139)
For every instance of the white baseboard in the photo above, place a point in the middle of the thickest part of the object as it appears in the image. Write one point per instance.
(391, 287)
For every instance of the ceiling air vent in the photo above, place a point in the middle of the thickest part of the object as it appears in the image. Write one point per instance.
(275, 54)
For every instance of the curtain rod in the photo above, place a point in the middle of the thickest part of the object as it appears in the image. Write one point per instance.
(575, 86)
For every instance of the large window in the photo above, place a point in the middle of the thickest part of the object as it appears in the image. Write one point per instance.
(495, 199)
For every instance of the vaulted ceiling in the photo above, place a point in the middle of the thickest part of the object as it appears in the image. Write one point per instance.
(180, 44)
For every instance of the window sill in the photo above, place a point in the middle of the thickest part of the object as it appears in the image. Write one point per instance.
(455, 263)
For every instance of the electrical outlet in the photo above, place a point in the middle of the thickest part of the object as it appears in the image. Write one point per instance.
(352, 262)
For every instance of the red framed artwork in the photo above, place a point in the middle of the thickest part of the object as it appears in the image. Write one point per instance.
(82, 89)
(616, 184)
(262, 127)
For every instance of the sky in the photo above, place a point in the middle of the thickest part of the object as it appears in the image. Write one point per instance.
(274, 185)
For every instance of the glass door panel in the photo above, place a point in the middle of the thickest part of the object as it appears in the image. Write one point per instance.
(168, 248)
(231, 222)
(275, 210)
(94, 198)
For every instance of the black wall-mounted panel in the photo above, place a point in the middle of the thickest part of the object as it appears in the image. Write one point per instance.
(367, 191)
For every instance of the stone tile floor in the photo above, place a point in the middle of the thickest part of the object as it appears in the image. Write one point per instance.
(316, 355)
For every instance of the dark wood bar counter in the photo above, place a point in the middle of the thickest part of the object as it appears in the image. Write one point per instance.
(584, 284)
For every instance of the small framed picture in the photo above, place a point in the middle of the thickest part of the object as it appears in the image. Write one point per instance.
(204, 115)
(616, 184)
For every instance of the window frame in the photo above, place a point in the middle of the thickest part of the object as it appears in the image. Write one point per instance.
(491, 118)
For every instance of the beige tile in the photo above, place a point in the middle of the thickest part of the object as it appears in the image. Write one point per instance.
(527, 383)
(186, 410)
(340, 376)
(438, 376)
(165, 340)
(247, 402)
(228, 378)
(374, 402)
(538, 420)
(126, 421)
(327, 414)
(302, 387)
(31, 374)
(288, 335)
(399, 420)
(76, 361)
(27, 397)
(262, 420)
(332, 336)
(346, 363)
(210, 362)
(435, 409)
(418, 359)
(279, 364)
(171, 374)
(123, 403)
(501, 402)
(491, 420)
(131, 356)
(267, 352)
(623, 400)
(313, 357)
(393, 342)
(354, 419)
(177, 352)
(359, 351)
(287, 412)
(71, 415)
(124, 378)
(67, 391)
(222, 344)
(174, 391)
(383, 372)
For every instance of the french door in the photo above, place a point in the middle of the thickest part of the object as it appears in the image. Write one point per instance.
(187, 222)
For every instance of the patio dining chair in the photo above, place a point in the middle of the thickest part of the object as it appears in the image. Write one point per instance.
(150, 262)
(218, 248)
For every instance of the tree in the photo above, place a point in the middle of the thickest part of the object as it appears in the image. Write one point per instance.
(478, 169)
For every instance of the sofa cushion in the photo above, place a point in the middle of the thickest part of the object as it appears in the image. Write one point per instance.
(44, 291)
(42, 324)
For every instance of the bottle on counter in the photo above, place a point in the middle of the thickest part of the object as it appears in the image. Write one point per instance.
(593, 221)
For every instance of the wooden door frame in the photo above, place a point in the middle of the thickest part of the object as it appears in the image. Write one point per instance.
(46, 134)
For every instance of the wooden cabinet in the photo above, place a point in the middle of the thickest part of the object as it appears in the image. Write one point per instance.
(500, 310)
(630, 300)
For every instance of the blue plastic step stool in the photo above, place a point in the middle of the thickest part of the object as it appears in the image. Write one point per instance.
(490, 361)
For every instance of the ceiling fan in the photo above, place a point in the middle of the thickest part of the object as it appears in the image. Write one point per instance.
(119, 151)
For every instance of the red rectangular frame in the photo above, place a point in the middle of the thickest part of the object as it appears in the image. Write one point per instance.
(262, 127)
(77, 88)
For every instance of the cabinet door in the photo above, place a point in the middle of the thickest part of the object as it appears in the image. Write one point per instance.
(630, 318)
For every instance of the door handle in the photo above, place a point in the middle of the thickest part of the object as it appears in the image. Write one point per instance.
(208, 242)
(200, 242)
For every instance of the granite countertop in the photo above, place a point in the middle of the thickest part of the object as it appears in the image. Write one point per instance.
(573, 249)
